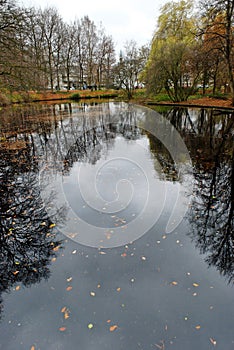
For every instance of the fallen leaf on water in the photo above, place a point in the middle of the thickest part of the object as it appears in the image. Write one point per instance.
(55, 249)
(123, 255)
(174, 283)
(113, 328)
(62, 329)
(15, 272)
(69, 288)
(198, 327)
(213, 341)
(63, 309)
(69, 279)
(52, 225)
(195, 284)
(92, 294)
(17, 288)
(90, 326)
(108, 321)
(33, 347)
(118, 289)
(66, 314)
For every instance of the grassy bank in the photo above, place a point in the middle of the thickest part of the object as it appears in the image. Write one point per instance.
(7, 97)
(139, 96)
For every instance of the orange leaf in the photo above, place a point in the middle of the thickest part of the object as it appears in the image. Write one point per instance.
(63, 309)
(174, 283)
(113, 328)
(33, 347)
(17, 288)
(69, 288)
(62, 329)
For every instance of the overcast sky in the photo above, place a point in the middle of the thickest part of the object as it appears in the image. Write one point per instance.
(123, 19)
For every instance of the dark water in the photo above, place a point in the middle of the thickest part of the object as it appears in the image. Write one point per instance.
(116, 228)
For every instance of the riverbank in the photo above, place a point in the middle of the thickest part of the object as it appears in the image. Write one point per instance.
(7, 98)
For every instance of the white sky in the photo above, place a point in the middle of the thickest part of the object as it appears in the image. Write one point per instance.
(124, 20)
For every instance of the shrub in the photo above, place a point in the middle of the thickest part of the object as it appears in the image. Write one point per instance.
(75, 96)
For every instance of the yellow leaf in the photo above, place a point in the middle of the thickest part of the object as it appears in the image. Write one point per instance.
(118, 289)
(66, 315)
(113, 328)
(55, 249)
(195, 284)
(52, 225)
(90, 326)
(174, 283)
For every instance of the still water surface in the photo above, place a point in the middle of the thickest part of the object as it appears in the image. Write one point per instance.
(112, 237)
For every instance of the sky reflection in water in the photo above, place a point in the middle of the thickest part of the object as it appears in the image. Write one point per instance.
(158, 291)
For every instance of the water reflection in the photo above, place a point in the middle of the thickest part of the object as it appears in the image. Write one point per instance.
(30, 135)
(209, 136)
(27, 241)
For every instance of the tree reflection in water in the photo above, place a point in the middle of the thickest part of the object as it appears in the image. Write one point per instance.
(209, 138)
(28, 242)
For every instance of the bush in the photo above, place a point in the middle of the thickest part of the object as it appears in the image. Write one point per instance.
(219, 96)
(75, 96)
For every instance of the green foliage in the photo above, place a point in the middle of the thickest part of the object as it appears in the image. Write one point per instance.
(76, 96)
(173, 62)
(219, 96)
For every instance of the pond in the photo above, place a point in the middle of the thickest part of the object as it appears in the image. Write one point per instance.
(116, 227)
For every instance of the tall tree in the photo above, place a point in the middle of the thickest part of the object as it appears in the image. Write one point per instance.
(174, 57)
(218, 25)
(129, 67)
